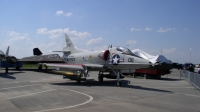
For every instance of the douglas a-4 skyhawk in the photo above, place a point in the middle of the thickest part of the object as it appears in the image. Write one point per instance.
(109, 62)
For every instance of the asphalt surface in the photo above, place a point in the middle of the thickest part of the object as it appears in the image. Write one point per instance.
(25, 91)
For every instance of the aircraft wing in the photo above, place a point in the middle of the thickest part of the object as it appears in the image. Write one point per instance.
(94, 65)
(75, 66)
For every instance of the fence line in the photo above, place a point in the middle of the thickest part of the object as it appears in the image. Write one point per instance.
(193, 78)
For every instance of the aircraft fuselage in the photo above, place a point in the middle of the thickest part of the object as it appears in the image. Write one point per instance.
(110, 58)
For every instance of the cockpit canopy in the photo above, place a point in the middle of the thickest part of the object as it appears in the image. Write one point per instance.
(124, 50)
(127, 51)
(1, 53)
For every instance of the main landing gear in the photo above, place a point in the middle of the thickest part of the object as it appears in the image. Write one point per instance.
(6, 70)
(116, 72)
(100, 77)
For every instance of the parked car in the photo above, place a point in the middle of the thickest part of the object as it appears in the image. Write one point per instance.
(189, 67)
(177, 66)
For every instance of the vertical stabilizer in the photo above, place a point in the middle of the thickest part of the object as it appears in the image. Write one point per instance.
(69, 46)
(37, 52)
(7, 51)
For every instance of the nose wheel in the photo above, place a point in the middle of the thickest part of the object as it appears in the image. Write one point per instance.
(118, 84)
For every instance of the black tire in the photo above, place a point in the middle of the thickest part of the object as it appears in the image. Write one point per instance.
(146, 76)
(40, 67)
(64, 76)
(78, 81)
(158, 76)
(101, 78)
(6, 70)
(17, 68)
(118, 84)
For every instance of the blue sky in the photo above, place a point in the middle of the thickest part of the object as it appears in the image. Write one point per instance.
(170, 26)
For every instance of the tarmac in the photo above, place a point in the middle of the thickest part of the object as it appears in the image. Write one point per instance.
(33, 91)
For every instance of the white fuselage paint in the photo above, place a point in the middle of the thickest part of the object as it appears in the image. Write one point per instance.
(93, 57)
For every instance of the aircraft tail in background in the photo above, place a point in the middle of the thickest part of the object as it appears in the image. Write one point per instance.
(36, 51)
(69, 47)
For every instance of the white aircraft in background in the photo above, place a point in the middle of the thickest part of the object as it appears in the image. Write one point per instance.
(110, 61)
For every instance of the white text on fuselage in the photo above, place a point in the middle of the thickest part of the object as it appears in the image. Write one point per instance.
(70, 59)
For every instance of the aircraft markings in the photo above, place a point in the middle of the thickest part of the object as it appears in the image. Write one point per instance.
(115, 59)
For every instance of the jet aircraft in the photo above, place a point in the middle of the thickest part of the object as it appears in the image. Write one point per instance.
(6, 59)
(38, 57)
(109, 62)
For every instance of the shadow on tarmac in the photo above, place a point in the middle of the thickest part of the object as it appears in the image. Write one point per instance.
(92, 82)
(111, 83)
(169, 79)
(9, 75)
(162, 79)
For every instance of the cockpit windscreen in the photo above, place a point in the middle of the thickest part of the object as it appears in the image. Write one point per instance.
(125, 50)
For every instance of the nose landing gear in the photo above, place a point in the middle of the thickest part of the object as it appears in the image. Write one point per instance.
(117, 73)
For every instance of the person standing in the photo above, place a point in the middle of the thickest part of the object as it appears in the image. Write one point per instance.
(199, 69)
(190, 68)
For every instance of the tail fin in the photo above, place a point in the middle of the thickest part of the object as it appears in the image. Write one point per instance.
(36, 51)
(7, 51)
(69, 46)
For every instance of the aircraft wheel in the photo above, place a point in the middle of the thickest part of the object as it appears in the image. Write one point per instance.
(78, 81)
(159, 76)
(6, 70)
(40, 67)
(119, 84)
(146, 76)
(17, 68)
(100, 78)
(64, 77)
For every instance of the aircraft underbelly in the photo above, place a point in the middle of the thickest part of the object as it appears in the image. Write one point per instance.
(130, 66)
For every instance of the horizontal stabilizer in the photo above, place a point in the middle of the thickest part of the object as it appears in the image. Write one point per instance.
(62, 51)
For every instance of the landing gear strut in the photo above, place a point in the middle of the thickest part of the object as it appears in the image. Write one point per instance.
(101, 75)
(78, 79)
(39, 67)
(118, 84)
(6, 70)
